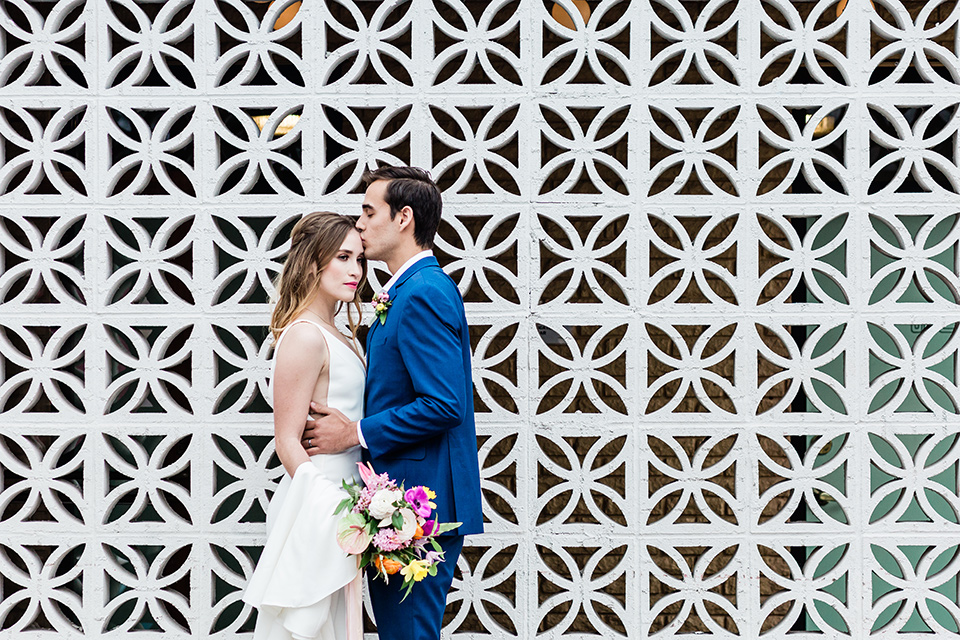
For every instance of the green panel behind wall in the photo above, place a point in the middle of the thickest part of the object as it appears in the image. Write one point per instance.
(911, 404)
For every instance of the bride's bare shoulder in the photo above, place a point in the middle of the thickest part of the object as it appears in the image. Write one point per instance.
(302, 340)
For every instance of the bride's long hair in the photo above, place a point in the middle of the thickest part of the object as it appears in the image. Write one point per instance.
(314, 241)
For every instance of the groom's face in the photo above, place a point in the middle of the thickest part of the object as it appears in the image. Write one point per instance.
(378, 231)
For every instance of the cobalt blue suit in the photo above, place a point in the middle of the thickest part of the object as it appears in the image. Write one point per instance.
(418, 426)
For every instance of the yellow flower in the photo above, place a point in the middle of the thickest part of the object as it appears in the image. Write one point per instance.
(381, 308)
(430, 494)
(416, 571)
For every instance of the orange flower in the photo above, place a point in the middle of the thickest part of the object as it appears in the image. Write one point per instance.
(419, 533)
(386, 565)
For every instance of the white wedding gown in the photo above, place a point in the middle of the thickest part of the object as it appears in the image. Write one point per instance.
(305, 586)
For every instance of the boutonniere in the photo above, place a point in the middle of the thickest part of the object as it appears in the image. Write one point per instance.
(381, 303)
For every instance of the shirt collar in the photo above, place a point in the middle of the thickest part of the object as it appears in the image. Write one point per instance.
(406, 265)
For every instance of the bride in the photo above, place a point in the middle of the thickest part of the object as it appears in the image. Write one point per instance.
(304, 585)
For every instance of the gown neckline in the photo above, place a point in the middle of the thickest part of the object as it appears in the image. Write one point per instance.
(343, 344)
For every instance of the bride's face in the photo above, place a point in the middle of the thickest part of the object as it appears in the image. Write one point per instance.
(341, 276)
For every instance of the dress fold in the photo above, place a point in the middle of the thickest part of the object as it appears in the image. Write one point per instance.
(300, 580)
(305, 587)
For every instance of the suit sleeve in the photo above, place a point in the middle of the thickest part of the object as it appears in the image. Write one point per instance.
(432, 351)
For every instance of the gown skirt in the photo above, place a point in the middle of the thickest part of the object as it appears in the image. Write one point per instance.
(305, 586)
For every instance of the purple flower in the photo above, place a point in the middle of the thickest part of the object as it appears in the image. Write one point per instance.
(363, 502)
(382, 481)
(388, 540)
(419, 500)
(429, 527)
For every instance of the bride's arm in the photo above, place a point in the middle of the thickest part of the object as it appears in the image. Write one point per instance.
(302, 357)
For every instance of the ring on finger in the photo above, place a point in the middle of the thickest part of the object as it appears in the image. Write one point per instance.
(309, 442)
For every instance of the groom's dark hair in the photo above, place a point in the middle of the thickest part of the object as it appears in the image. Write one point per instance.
(411, 187)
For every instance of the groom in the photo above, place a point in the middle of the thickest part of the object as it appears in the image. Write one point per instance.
(418, 405)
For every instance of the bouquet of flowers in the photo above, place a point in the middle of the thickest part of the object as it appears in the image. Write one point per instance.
(390, 527)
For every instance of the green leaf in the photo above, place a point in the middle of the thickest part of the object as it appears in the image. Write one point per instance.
(408, 586)
(447, 526)
(436, 546)
(397, 521)
(346, 502)
(352, 490)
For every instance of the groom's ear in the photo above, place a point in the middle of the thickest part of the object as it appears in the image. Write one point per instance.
(404, 218)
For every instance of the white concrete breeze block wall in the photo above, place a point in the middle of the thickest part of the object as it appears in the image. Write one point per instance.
(710, 257)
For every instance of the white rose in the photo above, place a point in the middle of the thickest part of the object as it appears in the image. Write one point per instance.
(381, 506)
(409, 525)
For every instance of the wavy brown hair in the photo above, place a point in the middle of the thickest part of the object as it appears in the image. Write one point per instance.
(314, 241)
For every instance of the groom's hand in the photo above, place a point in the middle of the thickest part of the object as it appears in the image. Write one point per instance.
(328, 432)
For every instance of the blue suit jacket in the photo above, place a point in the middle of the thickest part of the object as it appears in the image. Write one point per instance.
(418, 406)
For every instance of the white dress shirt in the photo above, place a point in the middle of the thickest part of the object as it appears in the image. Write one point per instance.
(396, 276)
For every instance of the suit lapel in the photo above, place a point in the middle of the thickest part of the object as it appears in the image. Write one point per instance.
(392, 292)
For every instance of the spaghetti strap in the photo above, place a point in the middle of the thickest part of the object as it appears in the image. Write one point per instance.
(298, 321)
(276, 347)
(326, 333)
